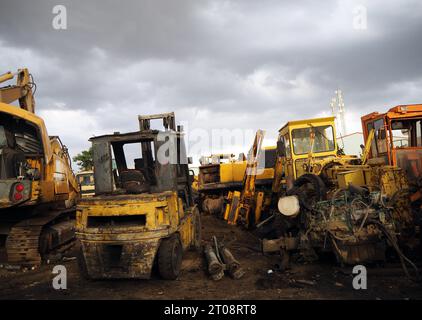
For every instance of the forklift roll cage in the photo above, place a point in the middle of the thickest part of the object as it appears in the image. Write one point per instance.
(163, 171)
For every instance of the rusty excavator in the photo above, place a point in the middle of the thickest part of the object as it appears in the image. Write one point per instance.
(38, 190)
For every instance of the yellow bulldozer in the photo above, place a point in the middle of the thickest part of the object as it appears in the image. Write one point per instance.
(327, 201)
(142, 213)
(306, 150)
(38, 190)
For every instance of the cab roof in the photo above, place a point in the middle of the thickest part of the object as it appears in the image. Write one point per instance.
(132, 137)
(400, 111)
(307, 121)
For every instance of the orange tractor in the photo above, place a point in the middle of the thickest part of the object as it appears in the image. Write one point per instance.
(397, 141)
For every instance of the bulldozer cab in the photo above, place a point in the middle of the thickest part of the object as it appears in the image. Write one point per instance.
(301, 144)
(157, 164)
(397, 138)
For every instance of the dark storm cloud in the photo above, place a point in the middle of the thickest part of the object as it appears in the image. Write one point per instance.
(246, 64)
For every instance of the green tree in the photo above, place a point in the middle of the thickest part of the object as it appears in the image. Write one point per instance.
(84, 160)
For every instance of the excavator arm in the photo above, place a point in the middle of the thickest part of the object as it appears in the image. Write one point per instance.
(242, 204)
(22, 91)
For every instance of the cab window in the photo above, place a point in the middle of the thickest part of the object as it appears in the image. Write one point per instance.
(406, 133)
(86, 180)
(323, 137)
(287, 146)
(380, 136)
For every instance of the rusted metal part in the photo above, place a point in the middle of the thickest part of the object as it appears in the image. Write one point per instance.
(274, 245)
(32, 239)
(168, 118)
(121, 234)
(120, 259)
(215, 267)
(232, 265)
(220, 259)
(213, 205)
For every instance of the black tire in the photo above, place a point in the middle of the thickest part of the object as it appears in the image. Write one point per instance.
(197, 229)
(170, 257)
(82, 264)
(309, 197)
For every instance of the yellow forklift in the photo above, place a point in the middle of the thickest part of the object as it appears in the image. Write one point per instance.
(141, 216)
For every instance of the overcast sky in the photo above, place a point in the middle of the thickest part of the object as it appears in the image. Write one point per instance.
(242, 64)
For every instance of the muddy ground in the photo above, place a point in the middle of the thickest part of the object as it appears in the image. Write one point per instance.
(322, 280)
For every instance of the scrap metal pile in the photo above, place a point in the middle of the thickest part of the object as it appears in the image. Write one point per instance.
(141, 213)
(359, 224)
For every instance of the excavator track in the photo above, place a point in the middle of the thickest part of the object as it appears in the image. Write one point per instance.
(32, 238)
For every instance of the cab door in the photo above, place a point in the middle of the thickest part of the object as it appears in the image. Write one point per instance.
(379, 147)
(289, 166)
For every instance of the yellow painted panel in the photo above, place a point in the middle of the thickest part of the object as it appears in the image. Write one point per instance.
(355, 177)
(239, 171)
(226, 172)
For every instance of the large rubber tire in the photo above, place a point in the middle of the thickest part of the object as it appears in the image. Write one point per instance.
(170, 257)
(306, 199)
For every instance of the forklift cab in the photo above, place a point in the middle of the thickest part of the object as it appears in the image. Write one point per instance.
(158, 164)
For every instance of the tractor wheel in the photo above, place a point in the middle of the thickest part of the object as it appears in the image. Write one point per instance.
(197, 230)
(170, 257)
(310, 189)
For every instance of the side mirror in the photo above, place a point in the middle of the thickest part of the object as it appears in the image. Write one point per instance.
(190, 161)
